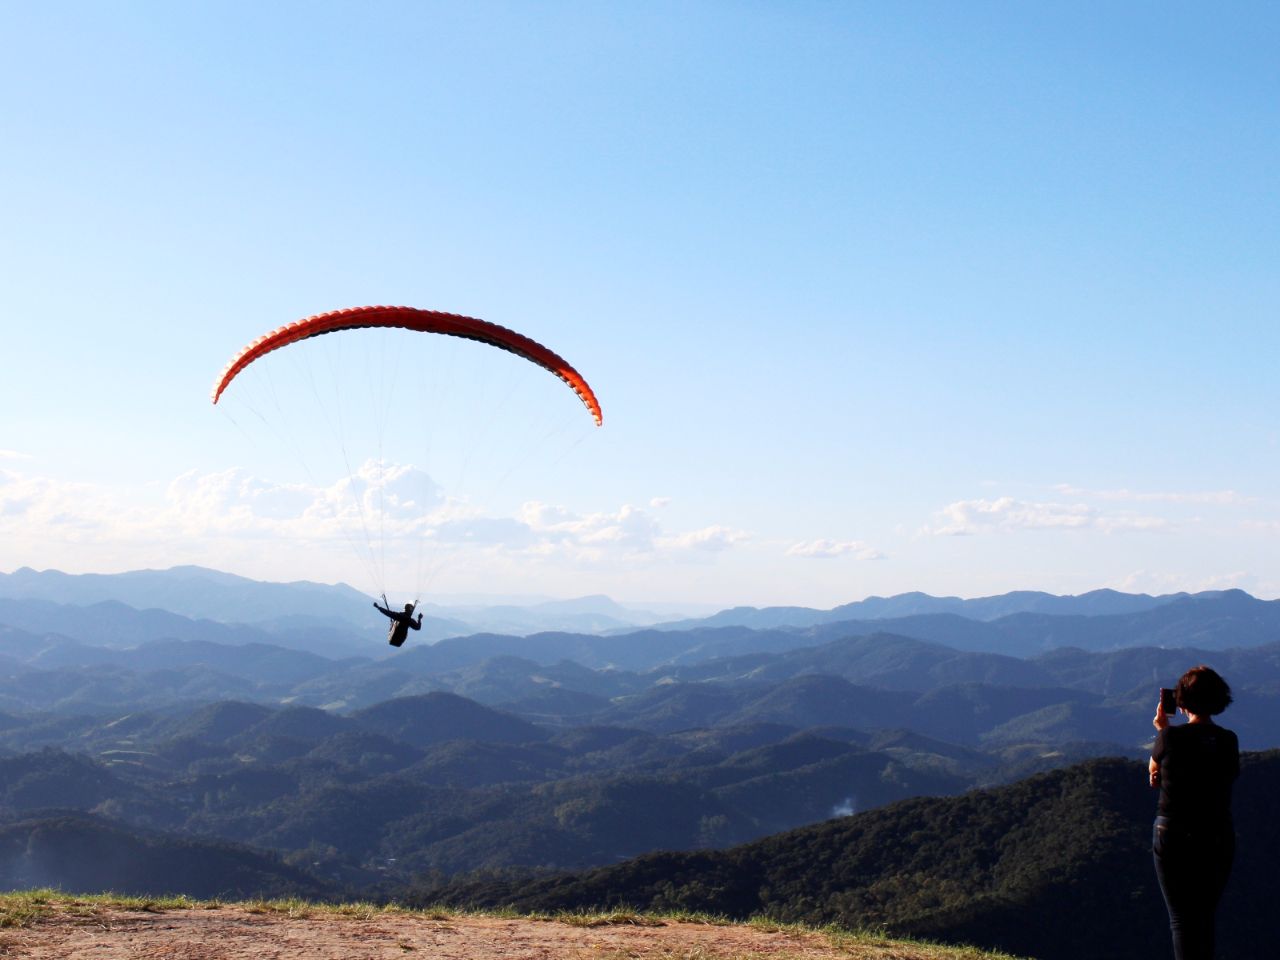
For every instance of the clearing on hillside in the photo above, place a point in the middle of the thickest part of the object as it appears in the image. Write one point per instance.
(100, 928)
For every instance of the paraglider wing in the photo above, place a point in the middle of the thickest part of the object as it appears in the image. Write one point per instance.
(424, 321)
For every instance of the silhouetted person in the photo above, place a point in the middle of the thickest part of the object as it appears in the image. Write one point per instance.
(401, 623)
(1193, 842)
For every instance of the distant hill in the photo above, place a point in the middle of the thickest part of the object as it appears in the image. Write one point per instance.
(441, 783)
(305, 617)
(1092, 604)
(111, 623)
(879, 680)
(1219, 621)
(437, 717)
(1056, 866)
(333, 615)
(593, 614)
(195, 592)
(90, 854)
(289, 609)
(438, 783)
(51, 779)
(1211, 621)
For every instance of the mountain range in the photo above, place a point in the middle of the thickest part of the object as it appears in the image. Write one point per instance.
(945, 768)
(199, 593)
(1092, 604)
(337, 617)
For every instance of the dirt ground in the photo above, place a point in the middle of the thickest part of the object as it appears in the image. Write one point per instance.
(237, 933)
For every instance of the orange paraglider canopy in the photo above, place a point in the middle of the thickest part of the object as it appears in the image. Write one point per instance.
(423, 321)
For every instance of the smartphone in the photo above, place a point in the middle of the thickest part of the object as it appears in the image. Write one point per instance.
(1168, 701)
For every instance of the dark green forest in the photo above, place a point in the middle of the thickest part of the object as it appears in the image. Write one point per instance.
(1055, 866)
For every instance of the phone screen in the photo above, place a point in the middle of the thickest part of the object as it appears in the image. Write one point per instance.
(1168, 700)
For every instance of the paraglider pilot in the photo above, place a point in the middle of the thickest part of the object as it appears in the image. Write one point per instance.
(401, 623)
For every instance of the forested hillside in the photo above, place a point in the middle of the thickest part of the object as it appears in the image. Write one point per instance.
(1056, 866)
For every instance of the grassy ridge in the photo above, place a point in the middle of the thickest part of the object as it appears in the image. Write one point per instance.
(30, 908)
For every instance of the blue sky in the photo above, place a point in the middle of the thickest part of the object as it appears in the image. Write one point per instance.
(961, 298)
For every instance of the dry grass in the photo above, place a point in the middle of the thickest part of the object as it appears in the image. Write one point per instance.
(28, 908)
(616, 918)
(695, 953)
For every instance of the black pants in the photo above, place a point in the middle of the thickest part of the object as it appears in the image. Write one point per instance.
(1192, 865)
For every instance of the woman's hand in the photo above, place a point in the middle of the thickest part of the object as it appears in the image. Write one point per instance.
(1153, 773)
(1161, 719)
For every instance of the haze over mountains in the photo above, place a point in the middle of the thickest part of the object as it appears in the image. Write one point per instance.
(1091, 604)
(201, 593)
(257, 730)
(226, 608)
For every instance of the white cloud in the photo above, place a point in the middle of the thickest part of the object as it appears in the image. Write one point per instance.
(628, 528)
(1220, 497)
(388, 511)
(828, 549)
(1007, 514)
(484, 531)
(628, 531)
(711, 539)
(393, 501)
(68, 511)
(15, 455)
(965, 517)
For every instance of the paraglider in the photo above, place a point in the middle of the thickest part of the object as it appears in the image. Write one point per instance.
(395, 319)
(401, 623)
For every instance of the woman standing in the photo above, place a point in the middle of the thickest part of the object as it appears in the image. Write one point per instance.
(1194, 765)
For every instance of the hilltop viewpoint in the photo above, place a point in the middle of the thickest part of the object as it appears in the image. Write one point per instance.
(44, 924)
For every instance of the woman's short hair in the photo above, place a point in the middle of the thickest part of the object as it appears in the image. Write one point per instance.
(1201, 690)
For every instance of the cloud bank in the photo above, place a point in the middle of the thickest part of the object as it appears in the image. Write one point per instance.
(1009, 514)
(830, 549)
(1217, 497)
(392, 510)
